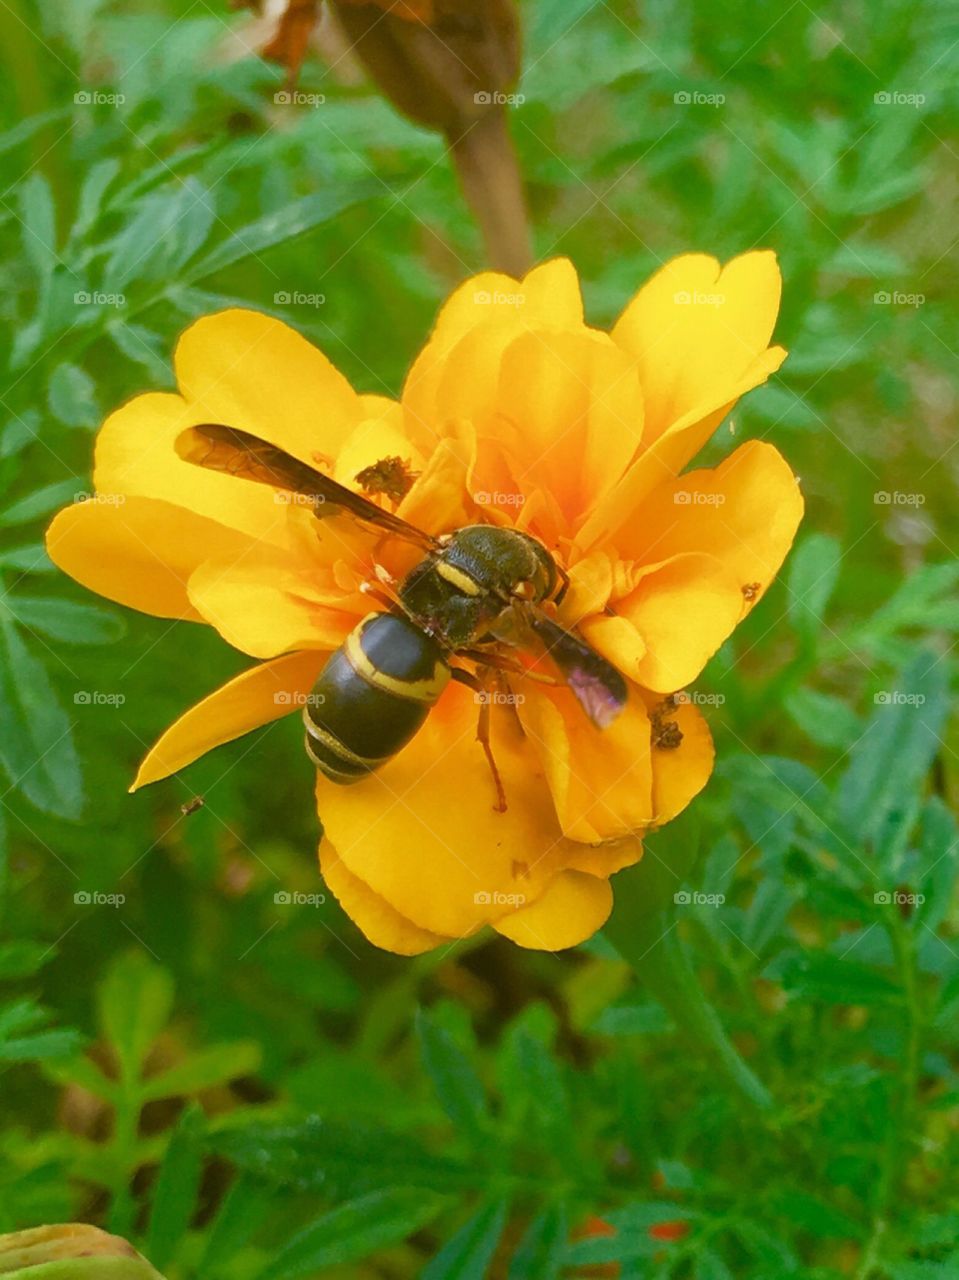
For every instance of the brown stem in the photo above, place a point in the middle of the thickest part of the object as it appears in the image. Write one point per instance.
(488, 170)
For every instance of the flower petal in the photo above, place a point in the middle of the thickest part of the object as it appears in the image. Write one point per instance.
(267, 602)
(493, 308)
(137, 551)
(373, 915)
(600, 779)
(256, 373)
(423, 834)
(683, 610)
(745, 513)
(667, 456)
(680, 773)
(264, 693)
(695, 329)
(570, 911)
(135, 455)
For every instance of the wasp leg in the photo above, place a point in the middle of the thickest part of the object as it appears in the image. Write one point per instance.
(482, 687)
(501, 663)
(383, 591)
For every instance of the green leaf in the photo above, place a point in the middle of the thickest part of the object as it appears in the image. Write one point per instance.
(354, 1230)
(177, 1187)
(276, 228)
(879, 792)
(133, 1006)
(40, 503)
(36, 747)
(813, 574)
(38, 224)
(204, 1070)
(64, 620)
(825, 720)
(28, 557)
(469, 1254)
(96, 182)
(457, 1085)
(71, 396)
(834, 980)
(241, 1212)
(542, 1250)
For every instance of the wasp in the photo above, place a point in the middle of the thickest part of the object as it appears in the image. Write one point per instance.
(476, 594)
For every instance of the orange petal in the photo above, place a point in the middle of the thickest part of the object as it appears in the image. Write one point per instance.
(667, 456)
(745, 513)
(137, 551)
(683, 610)
(695, 329)
(571, 910)
(253, 698)
(254, 372)
(422, 832)
(135, 455)
(680, 773)
(568, 414)
(497, 308)
(372, 915)
(267, 602)
(600, 779)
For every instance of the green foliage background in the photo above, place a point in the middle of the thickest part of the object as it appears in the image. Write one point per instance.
(249, 1090)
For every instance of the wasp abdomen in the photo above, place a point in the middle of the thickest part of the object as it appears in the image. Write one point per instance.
(372, 696)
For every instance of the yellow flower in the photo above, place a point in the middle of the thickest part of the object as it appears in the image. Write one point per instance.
(515, 412)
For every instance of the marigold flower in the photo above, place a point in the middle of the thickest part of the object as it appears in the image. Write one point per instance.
(517, 413)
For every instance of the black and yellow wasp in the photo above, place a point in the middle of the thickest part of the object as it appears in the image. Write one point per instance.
(477, 593)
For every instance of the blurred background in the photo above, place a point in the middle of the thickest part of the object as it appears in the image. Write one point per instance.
(243, 1086)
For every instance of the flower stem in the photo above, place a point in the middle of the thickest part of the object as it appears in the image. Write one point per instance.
(656, 952)
(488, 170)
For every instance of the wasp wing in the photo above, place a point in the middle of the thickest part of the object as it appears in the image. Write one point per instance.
(599, 688)
(238, 453)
